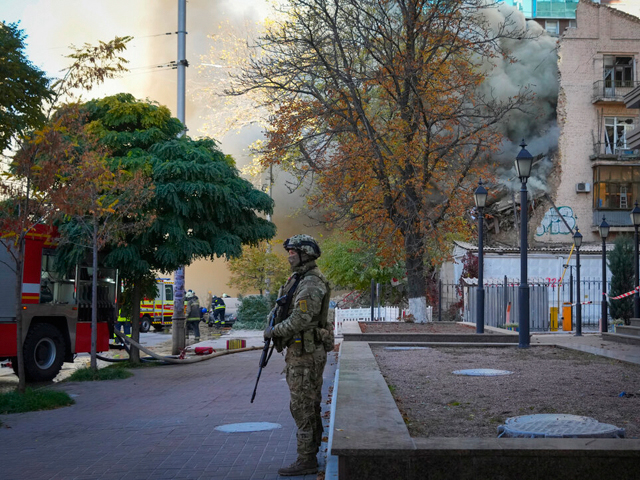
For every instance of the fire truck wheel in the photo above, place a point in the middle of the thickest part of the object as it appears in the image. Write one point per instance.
(43, 352)
(145, 324)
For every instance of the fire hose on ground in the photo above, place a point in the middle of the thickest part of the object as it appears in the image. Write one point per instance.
(171, 359)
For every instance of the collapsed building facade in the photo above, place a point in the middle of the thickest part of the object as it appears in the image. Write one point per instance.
(591, 169)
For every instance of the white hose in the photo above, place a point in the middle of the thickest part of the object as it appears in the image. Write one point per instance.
(182, 360)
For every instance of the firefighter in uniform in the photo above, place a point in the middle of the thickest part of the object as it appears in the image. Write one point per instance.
(303, 330)
(219, 308)
(193, 314)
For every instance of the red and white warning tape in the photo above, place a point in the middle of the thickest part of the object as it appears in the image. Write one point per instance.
(581, 303)
(625, 294)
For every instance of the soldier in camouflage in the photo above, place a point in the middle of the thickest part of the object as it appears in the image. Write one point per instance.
(303, 330)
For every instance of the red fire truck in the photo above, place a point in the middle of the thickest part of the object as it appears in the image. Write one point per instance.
(56, 309)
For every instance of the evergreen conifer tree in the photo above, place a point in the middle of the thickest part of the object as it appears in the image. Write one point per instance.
(622, 277)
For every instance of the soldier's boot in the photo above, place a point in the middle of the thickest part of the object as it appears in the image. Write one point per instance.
(302, 466)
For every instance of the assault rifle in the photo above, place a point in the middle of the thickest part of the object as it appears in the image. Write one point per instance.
(266, 354)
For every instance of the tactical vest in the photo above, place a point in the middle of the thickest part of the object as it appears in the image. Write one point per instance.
(317, 335)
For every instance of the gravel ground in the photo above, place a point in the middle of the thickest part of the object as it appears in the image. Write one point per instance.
(545, 379)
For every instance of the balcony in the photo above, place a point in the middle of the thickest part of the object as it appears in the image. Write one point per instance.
(615, 218)
(612, 91)
(617, 154)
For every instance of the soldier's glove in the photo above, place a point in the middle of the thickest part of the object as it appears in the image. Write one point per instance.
(268, 332)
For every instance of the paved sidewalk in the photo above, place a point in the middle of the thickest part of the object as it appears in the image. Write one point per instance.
(160, 424)
(591, 343)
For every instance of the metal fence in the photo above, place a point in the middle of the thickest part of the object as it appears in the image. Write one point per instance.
(549, 303)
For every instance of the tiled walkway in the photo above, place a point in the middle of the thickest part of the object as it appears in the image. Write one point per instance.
(160, 424)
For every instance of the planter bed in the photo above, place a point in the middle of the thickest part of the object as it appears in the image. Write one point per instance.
(372, 441)
(449, 332)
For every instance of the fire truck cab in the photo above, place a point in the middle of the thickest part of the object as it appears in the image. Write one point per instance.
(56, 309)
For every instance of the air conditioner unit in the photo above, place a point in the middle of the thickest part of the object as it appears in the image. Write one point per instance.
(583, 187)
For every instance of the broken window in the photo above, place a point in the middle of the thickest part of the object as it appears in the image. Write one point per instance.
(616, 130)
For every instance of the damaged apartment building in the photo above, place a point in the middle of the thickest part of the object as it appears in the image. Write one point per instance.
(596, 167)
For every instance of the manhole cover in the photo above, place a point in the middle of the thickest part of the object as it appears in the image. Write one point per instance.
(482, 372)
(247, 427)
(406, 348)
(558, 426)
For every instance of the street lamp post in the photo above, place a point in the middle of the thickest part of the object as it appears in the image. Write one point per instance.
(481, 200)
(577, 241)
(635, 219)
(604, 233)
(523, 163)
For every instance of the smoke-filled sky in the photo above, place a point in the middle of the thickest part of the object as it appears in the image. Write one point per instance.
(52, 25)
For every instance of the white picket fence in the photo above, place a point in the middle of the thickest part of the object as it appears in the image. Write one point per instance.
(382, 314)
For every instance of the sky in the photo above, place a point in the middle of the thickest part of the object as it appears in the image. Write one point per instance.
(52, 25)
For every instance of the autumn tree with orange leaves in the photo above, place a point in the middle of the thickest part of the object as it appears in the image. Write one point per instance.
(32, 176)
(377, 102)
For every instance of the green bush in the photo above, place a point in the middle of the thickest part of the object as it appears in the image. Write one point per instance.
(88, 375)
(33, 400)
(253, 311)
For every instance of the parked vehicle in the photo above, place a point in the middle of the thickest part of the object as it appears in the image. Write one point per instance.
(229, 320)
(157, 312)
(56, 310)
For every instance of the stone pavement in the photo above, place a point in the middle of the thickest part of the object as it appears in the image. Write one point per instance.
(591, 343)
(160, 424)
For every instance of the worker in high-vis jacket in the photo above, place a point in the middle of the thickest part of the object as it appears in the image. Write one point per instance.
(219, 308)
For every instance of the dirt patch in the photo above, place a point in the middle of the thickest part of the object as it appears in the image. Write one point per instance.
(430, 327)
(437, 403)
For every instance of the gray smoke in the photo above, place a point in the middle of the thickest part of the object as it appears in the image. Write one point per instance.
(535, 68)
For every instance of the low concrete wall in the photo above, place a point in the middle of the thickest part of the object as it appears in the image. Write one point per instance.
(351, 332)
(372, 441)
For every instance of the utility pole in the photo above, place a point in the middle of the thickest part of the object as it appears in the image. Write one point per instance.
(178, 318)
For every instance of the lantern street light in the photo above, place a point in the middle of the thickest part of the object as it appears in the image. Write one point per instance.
(523, 163)
(635, 219)
(481, 200)
(577, 241)
(604, 233)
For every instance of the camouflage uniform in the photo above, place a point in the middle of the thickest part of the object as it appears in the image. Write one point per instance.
(302, 333)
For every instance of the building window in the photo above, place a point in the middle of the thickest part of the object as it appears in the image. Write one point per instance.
(616, 130)
(552, 27)
(618, 71)
(615, 187)
(572, 24)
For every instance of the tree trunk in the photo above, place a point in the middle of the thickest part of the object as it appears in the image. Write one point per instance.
(416, 286)
(22, 378)
(94, 298)
(135, 321)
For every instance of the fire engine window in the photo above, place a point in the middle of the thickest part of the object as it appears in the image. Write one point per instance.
(54, 288)
(106, 287)
(168, 289)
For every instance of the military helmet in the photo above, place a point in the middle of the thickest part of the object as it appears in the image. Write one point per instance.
(303, 243)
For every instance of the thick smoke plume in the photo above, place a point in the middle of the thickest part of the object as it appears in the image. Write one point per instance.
(535, 68)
